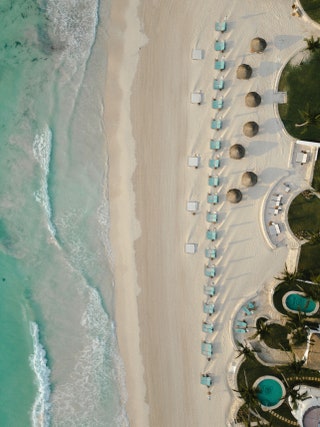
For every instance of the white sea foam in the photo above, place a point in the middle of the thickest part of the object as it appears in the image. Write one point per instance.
(42, 146)
(38, 362)
(104, 223)
(97, 371)
(73, 29)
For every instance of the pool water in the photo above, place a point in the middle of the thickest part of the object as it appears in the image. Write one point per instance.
(296, 302)
(270, 392)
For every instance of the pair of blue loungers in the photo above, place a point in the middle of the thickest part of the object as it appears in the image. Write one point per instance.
(241, 327)
(206, 380)
(207, 349)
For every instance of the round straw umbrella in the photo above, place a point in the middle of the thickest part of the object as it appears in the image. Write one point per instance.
(234, 195)
(249, 179)
(244, 72)
(250, 129)
(237, 151)
(252, 99)
(258, 45)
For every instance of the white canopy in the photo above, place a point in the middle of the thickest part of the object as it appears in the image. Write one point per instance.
(192, 206)
(197, 54)
(191, 248)
(196, 97)
(194, 161)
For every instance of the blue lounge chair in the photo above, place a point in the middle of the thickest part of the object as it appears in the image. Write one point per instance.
(214, 163)
(251, 305)
(217, 104)
(246, 310)
(212, 235)
(240, 331)
(206, 349)
(213, 198)
(210, 271)
(241, 324)
(207, 328)
(218, 84)
(213, 181)
(206, 380)
(208, 308)
(215, 144)
(220, 46)
(211, 253)
(212, 217)
(216, 124)
(219, 64)
(221, 26)
(209, 290)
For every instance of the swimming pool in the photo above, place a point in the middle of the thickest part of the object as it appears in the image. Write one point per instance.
(297, 301)
(270, 391)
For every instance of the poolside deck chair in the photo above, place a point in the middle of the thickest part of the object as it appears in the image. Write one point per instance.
(251, 305)
(217, 104)
(240, 331)
(213, 198)
(218, 84)
(212, 235)
(214, 163)
(209, 290)
(241, 324)
(246, 310)
(210, 271)
(215, 144)
(206, 349)
(219, 64)
(211, 253)
(208, 308)
(219, 45)
(221, 26)
(212, 217)
(206, 380)
(207, 328)
(213, 181)
(216, 124)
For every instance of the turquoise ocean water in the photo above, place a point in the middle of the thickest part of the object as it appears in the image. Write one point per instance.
(59, 363)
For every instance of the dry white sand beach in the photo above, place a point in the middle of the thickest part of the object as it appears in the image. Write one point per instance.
(152, 129)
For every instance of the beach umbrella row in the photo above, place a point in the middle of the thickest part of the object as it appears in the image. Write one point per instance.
(234, 195)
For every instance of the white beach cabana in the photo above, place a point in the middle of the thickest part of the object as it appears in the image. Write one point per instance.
(302, 157)
(191, 248)
(197, 54)
(192, 206)
(196, 98)
(194, 161)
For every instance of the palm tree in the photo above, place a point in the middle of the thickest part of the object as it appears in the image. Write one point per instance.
(299, 330)
(262, 330)
(250, 397)
(295, 364)
(314, 238)
(312, 44)
(312, 291)
(246, 351)
(310, 118)
(293, 395)
(296, 320)
(287, 277)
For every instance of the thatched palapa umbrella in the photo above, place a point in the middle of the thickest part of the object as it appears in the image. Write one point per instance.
(258, 45)
(250, 129)
(249, 179)
(252, 99)
(234, 195)
(244, 72)
(237, 151)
